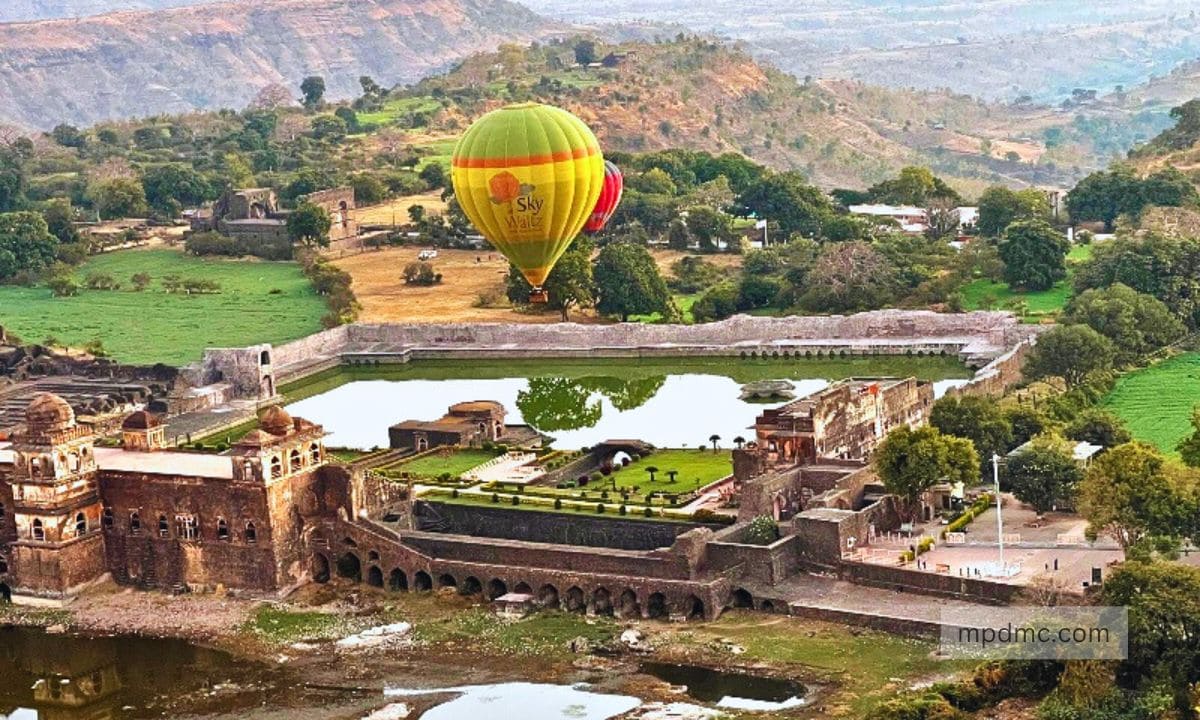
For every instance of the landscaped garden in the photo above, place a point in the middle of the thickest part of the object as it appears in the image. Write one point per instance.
(440, 463)
(675, 470)
(256, 302)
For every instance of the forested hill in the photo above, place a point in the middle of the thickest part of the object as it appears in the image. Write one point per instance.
(699, 94)
(219, 55)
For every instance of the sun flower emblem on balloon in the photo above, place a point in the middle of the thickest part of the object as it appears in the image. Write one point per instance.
(506, 187)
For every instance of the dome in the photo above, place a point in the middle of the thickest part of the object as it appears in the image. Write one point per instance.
(276, 421)
(141, 420)
(48, 412)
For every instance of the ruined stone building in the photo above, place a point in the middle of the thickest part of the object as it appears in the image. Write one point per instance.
(254, 215)
(72, 512)
(843, 422)
(467, 424)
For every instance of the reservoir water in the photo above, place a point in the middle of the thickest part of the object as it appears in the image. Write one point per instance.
(668, 404)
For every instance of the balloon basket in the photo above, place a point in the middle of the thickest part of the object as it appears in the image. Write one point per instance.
(537, 296)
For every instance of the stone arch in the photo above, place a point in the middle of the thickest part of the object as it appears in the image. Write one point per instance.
(295, 461)
(548, 596)
(422, 582)
(495, 588)
(81, 524)
(3, 566)
(446, 580)
(574, 601)
(767, 606)
(693, 607)
(314, 453)
(264, 357)
(627, 605)
(397, 580)
(319, 568)
(602, 601)
(656, 607)
(375, 577)
(135, 523)
(5, 593)
(251, 532)
(470, 586)
(350, 567)
(741, 598)
(276, 467)
(38, 532)
(523, 588)
(349, 542)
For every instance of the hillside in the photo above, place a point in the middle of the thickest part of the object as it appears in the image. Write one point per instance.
(706, 96)
(221, 55)
(25, 10)
(1000, 49)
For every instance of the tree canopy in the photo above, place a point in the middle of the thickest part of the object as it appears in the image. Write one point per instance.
(1043, 474)
(309, 224)
(1034, 255)
(25, 243)
(1070, 352)
(911, 461)
(1136, 323)
(628, 282)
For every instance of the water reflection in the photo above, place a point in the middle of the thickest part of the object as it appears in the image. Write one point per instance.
(56, 677)
(669, 410)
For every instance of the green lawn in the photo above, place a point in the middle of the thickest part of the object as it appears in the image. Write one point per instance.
(259, 302)
(456, 463)
(693, 465)
(1156, 402)
(394, 110)
(984, 294)
(683, 302)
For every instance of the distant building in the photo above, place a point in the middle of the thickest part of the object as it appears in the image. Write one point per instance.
(912, 219)
(844, 421)
(254, 215)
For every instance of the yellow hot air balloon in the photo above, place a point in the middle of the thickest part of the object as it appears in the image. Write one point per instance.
(528, 177)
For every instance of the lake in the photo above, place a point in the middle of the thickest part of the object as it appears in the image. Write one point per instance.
(672, 404)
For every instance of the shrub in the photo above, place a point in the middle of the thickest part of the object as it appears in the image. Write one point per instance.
(762, 530)
(558, 503)
(599, 508)
(495, 497)
(623, 510)
(63, 286)
(925, 545)
(421, 273)
(516, 500)
(100, 281)
(648, 512)
(454, 493)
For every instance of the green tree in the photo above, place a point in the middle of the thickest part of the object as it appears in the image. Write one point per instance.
(1189, 447)
(628, 282)
(313, 90)
(25, 243)
(585, 52)
(12, 179)
(553, 404)
(1098, 427)
(1168, 188)
(999, 207)
(1163, 601)
(68, 136)
(1070, 352)
(309, 225)
(329, 127)
(1103, 196)
(717, 303)
(348, 116)
(369, 189)
(976, 418)
(167, 187)
(913, 186)
(1131, 492)
(1138, 324)
(1034, 255)
(909, 462)
(1025, 421)
(710, 227)
(678, 237)
(120, 197)
(569, 285)
(1044, 474)
(1162, 266)
(434, 175)
(60, 219)
(787, 199)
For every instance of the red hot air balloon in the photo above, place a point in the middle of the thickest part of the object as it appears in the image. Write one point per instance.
(610, 197)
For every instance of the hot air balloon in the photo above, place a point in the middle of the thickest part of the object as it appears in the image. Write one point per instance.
(528, 177)
(610, 197)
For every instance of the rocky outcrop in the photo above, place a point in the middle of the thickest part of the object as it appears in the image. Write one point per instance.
(221, 54)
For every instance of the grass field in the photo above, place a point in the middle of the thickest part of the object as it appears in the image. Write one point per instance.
(696, 469)
(394, 110)
(986, 294)
(456, 463)
(1156, 402)
(396, 211)
(259, 302)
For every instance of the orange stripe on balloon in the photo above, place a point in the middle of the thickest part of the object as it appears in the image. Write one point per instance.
(510, 162)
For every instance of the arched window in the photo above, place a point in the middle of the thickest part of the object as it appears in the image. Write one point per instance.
(314, 453)
(276, 467)
(35, 466)
(39, 532)
(264, 358)
(80, 524)
(1, 513)
(189, 529)
(106, 518)
(73, 462)
(251, 532)
(164, 528)
(296, 461)
(135, 523)
(222, 529)
(3, 567)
